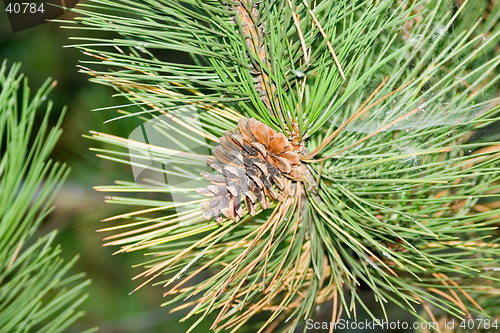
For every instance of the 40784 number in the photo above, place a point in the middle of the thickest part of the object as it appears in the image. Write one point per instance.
(24, 8)
(477, 324)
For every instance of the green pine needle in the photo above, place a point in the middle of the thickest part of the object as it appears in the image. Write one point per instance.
(37, 291)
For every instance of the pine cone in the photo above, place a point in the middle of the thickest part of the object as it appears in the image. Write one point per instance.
(254, 162)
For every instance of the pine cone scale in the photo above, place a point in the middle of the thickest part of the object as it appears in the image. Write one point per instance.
(256, 165)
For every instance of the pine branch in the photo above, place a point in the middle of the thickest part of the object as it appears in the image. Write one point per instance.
(37, 291)
(393, 189)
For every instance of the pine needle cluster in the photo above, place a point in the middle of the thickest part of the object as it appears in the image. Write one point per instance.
(38, 291)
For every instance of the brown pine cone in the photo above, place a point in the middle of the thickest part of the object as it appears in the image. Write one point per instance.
(254, 162)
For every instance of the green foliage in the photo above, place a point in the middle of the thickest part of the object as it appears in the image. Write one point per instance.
(37, 291)
(396, 195)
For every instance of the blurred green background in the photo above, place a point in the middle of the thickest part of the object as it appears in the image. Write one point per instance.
(79, 209)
